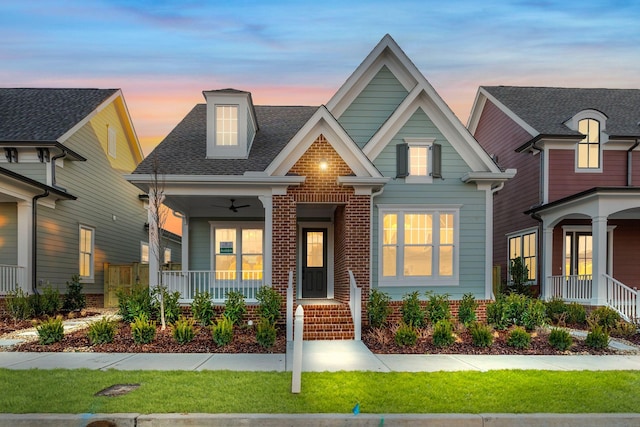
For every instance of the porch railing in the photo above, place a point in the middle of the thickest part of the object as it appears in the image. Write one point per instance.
(623, 299)
(217, 283)
(574, 288)
(11, 277)
(355, 304)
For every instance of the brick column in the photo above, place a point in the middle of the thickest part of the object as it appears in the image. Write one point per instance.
(357, 244)
(284, 243)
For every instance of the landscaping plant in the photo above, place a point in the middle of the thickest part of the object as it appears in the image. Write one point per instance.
(437, 308)
(143, 330)
(443, 333)
(202, 309)
(183, 330)
(481, 334)
(74, 299)
(18, 305)
(269, 303)
(265, 333)
(235, 308)
(378, 308)
(576, 314)
(170, 301)
(135, 302)
(222, 331)
(519, 338)
(50, 303)
(406, 335)
(102, 331)
(467, 309)
(560, 339)
(411, 310)
(50, 331)
(556, 310)
(624, 329)
(605, 317)
(597, 337)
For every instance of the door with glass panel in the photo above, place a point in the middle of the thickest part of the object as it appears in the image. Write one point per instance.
(314, 263)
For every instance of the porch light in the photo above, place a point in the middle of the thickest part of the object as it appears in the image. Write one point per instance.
(324, 164)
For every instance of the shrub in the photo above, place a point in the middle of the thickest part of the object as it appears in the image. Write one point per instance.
(496, 314)
(269, 303)
(519, 338)
(467, 309)
(556, 309)
(171, 304)
(481, 334)
(50, 331)
(378, 308)
(135, 302)
(560, 339)
(406, 335)
(597, 337)
(235, 308)
(443, 334)
(183, 330)
(222, 331)
(74, 299)
(265, 333)
(605, 317)
(624, 329)
(143, 330)
(18, 305)
(437, 308)
(102, 331)
(534, 314)
(50, 302)
(576, 314)
(202, 309)
(516, 309)
(412, 313)
(519, 278)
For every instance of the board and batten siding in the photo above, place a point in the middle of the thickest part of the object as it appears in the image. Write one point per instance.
(373, 106)
(106, 202)
(9, 233)
(447, 191)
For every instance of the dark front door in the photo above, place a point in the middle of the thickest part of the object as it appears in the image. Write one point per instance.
(314, 263)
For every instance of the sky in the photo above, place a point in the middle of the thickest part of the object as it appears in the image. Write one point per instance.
(163, 53)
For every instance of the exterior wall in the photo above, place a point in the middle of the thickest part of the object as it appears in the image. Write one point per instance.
(373, 106)
(448, 191)
(199, 244)
(31, 168)
(126, 159)
(564, 181)
(8, 233)
(284, 243)
(499, 135)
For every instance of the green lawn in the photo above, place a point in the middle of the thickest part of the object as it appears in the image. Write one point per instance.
(72, 391)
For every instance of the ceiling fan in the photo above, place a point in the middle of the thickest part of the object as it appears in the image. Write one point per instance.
(233, 206)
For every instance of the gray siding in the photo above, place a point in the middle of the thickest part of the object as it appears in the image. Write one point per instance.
(447, 191)
(199, 244)
(373, 106)
(8, 233)
(33, 170)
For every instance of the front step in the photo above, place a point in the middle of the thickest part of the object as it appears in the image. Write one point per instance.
(327, 322)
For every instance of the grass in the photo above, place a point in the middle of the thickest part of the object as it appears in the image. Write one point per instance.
(72, 391)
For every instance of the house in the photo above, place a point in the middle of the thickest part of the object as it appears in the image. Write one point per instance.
(65, 207)
(309, 200)
(573, 210)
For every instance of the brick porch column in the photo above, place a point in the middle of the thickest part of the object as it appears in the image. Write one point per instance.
(284, 243)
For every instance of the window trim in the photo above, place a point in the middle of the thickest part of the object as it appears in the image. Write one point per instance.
(521, 234)
(573, 123)
(218, 131)
(91, 277)
(420, 142)
(238, 226)
(164, 256)
(422, 281)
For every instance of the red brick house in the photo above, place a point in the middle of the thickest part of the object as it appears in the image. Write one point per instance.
(573, 210)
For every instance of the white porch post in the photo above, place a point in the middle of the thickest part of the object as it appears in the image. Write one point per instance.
(267, 202)
(154, 244)
(25, 242)
(599, 253)
(185, 243)
(547, 264)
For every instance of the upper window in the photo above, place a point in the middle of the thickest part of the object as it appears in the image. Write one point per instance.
(227, 125)
(419, 246)
(112, 141)
(523, 245)
(86, 252)
(418, 160)
(589, 147)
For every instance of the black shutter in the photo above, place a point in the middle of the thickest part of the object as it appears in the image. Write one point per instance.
(436, 161)
(402, 160)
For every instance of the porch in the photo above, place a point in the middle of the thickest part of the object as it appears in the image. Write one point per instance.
(12, 277)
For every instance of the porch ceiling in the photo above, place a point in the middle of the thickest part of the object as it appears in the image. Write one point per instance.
(216, 206)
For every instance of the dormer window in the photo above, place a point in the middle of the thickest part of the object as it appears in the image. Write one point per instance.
(227, 125)
(231, 124)
(589, 147)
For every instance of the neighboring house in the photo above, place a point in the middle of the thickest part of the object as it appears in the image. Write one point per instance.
(573, 211)
(382, 187)
(65, 208)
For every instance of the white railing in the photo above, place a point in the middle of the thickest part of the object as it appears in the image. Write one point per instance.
(217, 283)
(11, 278)
(355, 304)
(575, 288)
(623, 299)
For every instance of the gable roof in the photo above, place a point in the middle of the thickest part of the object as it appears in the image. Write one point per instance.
(546, 109)
(29, 115)
(184, 150)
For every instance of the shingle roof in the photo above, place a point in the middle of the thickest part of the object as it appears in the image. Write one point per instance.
(45, 114)
(183, 151)
(547, 108)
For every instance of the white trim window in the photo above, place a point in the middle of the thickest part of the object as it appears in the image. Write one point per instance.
(167, 255)
(419, 246)
(588, 151)
(112, 141)
(227, 125)
(238, 251)
(86, 252)
(144, 252)
(418, 160)
(524, 245)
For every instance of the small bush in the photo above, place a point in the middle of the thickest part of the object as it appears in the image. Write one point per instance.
(605, 317)
(74, 299)
(519, 338)
(202, 309)
(481, 334)
(534, 315)
(17, 305)
(496, 314)
(183, 330)
(556, 309)
(516, 309)
(235, 308)
(411, 310)
(171, 305)
(467, 309)
(222, 331)
(576, 314)
(269, 303)
(50, 331)
(134, 302)
(378, 308)
(443, 334)
(50, 302)
(143, 330)
(102, 331)
(560, 339)
(437, 308)
(406, 335)
(265, 333)
(624, 329)
(597, 337)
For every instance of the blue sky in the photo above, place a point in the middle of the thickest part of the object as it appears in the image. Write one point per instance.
(164, 53)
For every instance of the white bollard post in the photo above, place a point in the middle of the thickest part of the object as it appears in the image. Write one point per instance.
(296, 377)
